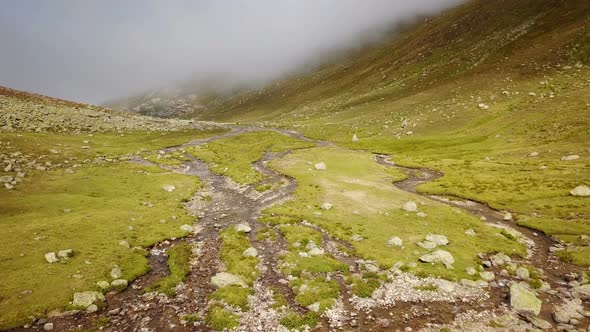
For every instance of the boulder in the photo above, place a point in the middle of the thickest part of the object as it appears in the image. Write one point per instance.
(321, 166)
(410, 207)
(84, 299)
(51, 258)
(243, 228)
(441, 256)
(523, 300)
(395, 242)
(224, 279)
(580, 191)
(250, 252)
(439, 240)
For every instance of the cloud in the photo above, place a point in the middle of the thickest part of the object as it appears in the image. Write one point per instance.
(99, 50)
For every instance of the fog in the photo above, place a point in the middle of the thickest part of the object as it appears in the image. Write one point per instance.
(94, 51)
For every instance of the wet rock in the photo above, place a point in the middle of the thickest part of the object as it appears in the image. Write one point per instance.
(51, 258)
(84, 299)
(441, 256)
(223, 279)
(169, 188)
(410, 207)
(321, 166)
(243, 228)
(439, 240)
(523, 300)
(580, 191)
(395, 242)
(250, 252)
(116, 273)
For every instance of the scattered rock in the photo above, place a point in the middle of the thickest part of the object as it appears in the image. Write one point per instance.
(421, 214)
(483, 107)
(428, 245)
(321, 166)
(470, 232)
(395, 242)
(119, 283)
(84, 299)
(522, 273)
(441, 256)
(410, 207)
(356, 238)
(523, 300)
(580, 191)
(316, 251)
(187, 228)
(224, 279)
(92, 308)
(470, 271)
(48, 327)
(51, 258)
(243, 228)
(355, 138)
(250, 252)
(582, 292)
(487, 276)
(104, 285)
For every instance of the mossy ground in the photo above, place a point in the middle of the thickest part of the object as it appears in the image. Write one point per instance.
(233, 156)
(89, 211)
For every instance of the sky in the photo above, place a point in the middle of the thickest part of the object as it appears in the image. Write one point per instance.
(95, 51)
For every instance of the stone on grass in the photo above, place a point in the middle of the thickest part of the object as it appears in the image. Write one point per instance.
(580, 191)
(523, 300)
(395, 242)
(119, 284)
(441, 256)
(326, 206)
(315, 307)
(104, 285)
(428, 245)
(321, 166)
(470, 271)
(84, 299)
(439, 240)
(507, 216)
(421, 214)
(355, 138)
(534, 154)
(187, 228)
(250, 252)
(243, 228)
(51, 258)
(470, 232)
(487, 276)
(410, 207)
(124, 243)
(483, 107)
(357, 238)
(116, 273)
(570, 157)
(522, 273)
(169, 188)
(316, 251)
(224, 279)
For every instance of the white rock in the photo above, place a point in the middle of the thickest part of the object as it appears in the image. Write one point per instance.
(250, 252)
(523, 300)
(119, 283)
(169, 188)
(316, 251)
(534, 154)
(522, 273)
(243, 228)
(507, 216)
(84, 299)
(315, 307)
(395, 242)
(487, 276)
(410, 207)
(116, 273)
(103, 285)
(570, 157)
(580, 191)
(355, 138)
(439, 240)
(51, 258)
(326, 206)
(421, 214)
(66, 253)
(356, 238)
(48, 327)
(483, 107)
(321, 166)
(92, 308)
(470, 232)
(187, 228)
(124, 243)
(441, 256)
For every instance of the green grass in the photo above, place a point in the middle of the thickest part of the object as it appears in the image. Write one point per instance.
(295, 321)
(220, 319)
(106, 205)
(232, 248)
(169, 159)
(179, 258)
(235, 296)
(233, 156)
(316, 290)
(365, 203)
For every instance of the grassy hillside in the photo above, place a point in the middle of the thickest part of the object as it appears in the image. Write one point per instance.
(492, 93)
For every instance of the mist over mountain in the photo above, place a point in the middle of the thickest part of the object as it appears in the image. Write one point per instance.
(93, 52)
